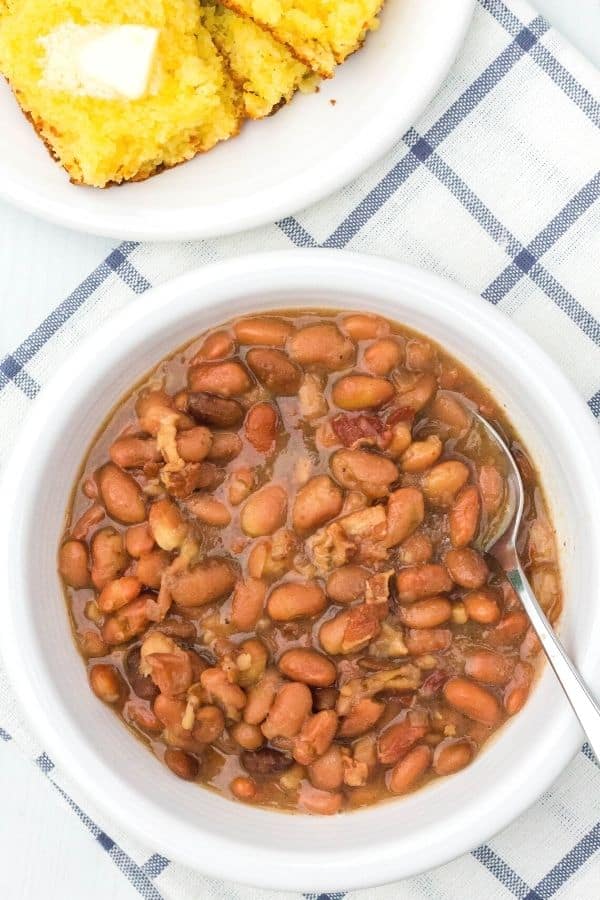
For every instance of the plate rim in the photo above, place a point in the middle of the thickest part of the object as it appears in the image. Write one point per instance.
(216, 220)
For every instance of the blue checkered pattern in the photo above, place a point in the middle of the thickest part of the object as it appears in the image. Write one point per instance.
(496, 187)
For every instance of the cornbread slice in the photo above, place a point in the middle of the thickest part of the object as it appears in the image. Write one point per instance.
(265, 70)
(320, 33)
(190, 104)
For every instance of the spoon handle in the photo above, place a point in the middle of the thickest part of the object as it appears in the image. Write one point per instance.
(584, 705)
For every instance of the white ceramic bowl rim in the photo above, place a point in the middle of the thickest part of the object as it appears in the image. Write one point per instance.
(376, 845)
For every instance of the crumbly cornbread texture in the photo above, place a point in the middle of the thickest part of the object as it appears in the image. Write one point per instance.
(321, 33)
(193, 103)
(266, 70)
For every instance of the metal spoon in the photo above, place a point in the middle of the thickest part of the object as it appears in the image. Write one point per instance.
(500, 543)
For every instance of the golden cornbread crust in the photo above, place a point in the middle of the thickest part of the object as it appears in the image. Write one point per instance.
(266, 71)
(319, 41)
(194, 104)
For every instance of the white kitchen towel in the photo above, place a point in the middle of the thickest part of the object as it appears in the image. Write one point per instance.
(496, 188)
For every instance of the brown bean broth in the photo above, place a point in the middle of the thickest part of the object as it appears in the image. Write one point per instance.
(220, 762)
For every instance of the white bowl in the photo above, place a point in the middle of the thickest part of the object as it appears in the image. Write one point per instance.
(274, 167)
(193, 825)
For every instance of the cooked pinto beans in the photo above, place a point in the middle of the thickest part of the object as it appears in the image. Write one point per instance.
(272, 568)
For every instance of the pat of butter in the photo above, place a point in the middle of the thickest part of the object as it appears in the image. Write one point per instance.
(111, 62)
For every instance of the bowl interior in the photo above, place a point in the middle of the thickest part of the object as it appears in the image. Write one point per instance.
(201, 828)
(275, 166)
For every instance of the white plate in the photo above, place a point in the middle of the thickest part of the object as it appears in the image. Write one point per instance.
(275, 167)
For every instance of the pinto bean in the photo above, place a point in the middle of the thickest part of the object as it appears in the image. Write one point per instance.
(260, 697)
(467, 568)
(251, 662)
(225, 446)
(248, 602)
(472, 700)
(319, 500)
(323, 803)
(365, 326)
(451, 756)
(217, 345)
(244, 789)
(452, 413)
(240, 485)
(296, 600)
(409, 770)
(350, 630)
(427, 613)
(367, 472)
(416, 582)
(170, 712)
(427, 640)
(315, 737)
(209, 724)
(361, 718)
(265, 511)
(194, 444)
(327, 771)
(415, 550)
(420, 394)
(490, 667)
(153, 407)
(261, 427)
(167, 525)
(323, 347)
(139, 540)
(396, 741)
(405, 512)
(491, 485)
(181, 763)
(482, 607)
(131, 452)
(517, 689)
(401, 439)
(219, 412)
(92, 644)
(268, 331)
(150, 568)
(249, 737)
(442, 483)
(308, 666)
(509, 629)
(121, 495)
(141, 684)
(209, 510)
(421, 455)
(275, 371)
(223, 379)
(290, 708)
(463, 518)
(383, 356)
(117, 593)
(420, 356)
(266, 762)
(355, 392)
(142, 717)
(126, 622)
(73, 564)
(347, 584)
(106, 683)
(206, 582)
(230, 697)
(109, 558)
